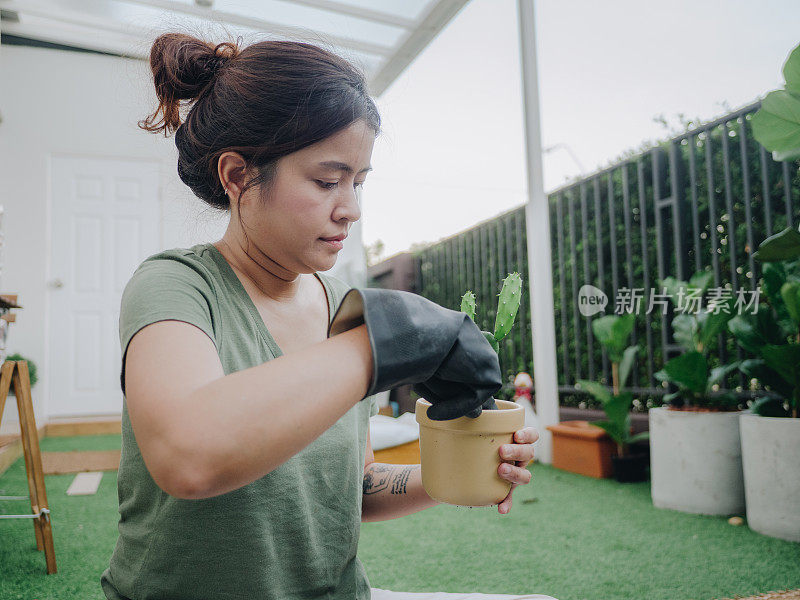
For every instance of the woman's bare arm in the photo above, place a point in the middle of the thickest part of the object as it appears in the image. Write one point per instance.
(202, 433)
(391, 491)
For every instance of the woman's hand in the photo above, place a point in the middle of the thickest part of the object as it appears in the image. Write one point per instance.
(516, 457)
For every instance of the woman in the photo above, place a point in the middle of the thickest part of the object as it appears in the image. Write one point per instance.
(246, 464)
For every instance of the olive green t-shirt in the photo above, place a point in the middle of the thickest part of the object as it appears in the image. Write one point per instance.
(293, 534)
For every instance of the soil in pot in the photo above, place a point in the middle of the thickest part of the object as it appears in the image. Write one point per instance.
(630, 468)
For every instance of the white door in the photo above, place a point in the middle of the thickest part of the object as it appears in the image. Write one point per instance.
(104, 221)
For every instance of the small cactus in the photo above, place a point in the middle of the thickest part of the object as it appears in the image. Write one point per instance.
(468, 304)
(507, 307)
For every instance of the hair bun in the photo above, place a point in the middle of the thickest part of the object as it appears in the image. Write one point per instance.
(213, 64)
(183, 68)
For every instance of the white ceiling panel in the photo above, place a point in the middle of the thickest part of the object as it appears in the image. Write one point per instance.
(381, 36)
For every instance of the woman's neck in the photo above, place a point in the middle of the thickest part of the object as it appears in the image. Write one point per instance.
(272, 281)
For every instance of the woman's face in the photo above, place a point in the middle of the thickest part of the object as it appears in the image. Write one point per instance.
(309, 200)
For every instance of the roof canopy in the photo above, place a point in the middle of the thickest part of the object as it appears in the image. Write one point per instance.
(382, 41)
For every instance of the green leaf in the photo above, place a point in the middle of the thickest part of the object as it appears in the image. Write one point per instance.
(785, 360)
(644, 435)
(598, 390)
(792, 269)
(784, 245)
(684, 330)
(776, 125)
(612, 429)
(726, 401)
(769, 407)
(688, 370)
(774, 276)
(745, 330)
(492, 341)
(754, 331)
(626, 364)
(468, 304)
(756, 368)
(613, 331)
(790, 293)
(31, 369)
(711, 324)
(507, 305)
(791, 71)
(718, 374)
(678, 290)
(617, 408)
(668, 398)
(701, 280)
(675, 288)
(617, 430)
(786, 155)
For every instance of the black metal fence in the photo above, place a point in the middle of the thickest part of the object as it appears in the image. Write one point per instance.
(704, 200)
(477, 260)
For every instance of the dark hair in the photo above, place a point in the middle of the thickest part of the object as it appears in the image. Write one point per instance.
(265, 101)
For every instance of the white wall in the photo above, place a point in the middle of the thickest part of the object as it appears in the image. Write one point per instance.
(55, 101)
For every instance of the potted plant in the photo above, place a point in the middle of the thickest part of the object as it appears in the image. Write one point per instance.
(613, 332)
(695, 453)
(31, 370)
(460, 457)
(770, 431)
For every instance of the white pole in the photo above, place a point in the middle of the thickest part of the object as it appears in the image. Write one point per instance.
(537, 219)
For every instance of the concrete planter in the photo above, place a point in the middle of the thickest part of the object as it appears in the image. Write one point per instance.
(771, 461)
(696, 461)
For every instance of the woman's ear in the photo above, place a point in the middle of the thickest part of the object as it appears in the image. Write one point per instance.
(231, 171)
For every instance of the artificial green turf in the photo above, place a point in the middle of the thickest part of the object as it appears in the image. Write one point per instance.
(568, 536)
(84, 530)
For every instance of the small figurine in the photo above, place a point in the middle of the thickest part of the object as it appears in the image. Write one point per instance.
(523, 395)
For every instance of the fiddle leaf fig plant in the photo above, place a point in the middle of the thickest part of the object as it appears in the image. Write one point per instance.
(695, 330)
(776, 125)
(613, 331)
(773, 333)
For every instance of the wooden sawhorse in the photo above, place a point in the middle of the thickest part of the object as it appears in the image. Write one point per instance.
(16, 372)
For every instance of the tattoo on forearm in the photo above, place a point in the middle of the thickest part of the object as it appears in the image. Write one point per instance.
(379, 476)
(399, 481)
(376, 478)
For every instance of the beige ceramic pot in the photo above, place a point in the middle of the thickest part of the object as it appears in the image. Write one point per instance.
(460, 457)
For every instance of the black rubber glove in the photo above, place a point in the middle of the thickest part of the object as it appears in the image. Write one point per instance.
(441, 352)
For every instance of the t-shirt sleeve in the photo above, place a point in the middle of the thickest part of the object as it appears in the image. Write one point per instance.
(373, 409)
(163, 290)
(341, 288)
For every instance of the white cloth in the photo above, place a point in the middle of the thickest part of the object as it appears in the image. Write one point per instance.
(388, 432)
(379, 594)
